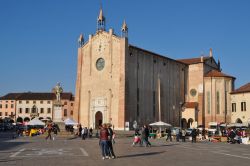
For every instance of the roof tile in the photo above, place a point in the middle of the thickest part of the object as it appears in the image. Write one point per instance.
(243, 89)
(216, 73)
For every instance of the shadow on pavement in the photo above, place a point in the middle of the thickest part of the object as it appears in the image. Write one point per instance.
(168, 145)
(5, 145)
(141, 154)
(6, 142)
(72, 138)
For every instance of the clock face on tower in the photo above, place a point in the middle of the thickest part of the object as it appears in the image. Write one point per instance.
(100, 63)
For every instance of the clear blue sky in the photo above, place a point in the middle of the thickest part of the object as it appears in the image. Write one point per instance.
(38, 38)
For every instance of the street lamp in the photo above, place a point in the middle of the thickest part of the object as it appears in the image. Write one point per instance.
(180, 112)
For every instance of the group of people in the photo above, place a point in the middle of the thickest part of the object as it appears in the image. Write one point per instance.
(84, 132)
(235, 135)
(52, 128)
(106, 141)
(142, 138)
(182, 133)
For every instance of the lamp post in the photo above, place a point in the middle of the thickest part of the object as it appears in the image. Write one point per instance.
(180, 112)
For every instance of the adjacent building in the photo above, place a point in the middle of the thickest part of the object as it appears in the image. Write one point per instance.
(240, 104)
(208, 92)
(8, 105)
(25, 106)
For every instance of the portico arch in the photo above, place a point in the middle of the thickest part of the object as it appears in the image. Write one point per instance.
(98, 119)
(26, 119)
(238, 120)
(19, 119)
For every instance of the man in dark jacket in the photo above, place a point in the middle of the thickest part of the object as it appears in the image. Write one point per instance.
(109, 142)
(145, 135)
(194, 134)
(169, 136)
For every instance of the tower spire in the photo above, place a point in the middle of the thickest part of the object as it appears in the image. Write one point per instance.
(100, 20)
(124, 29)
(211, 52)
(80, 40)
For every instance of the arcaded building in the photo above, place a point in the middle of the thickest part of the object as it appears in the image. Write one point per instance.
(27, 105)
(124, 85)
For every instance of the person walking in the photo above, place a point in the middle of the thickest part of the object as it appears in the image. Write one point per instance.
(79, 130)
(90, 132)
(110, 142)
(86, 132)
(203, 132)
(183, 134)
(49, 128)
(55, 129)
(178, 134)
(145, 135)
(83, 133)
(103, 139)
(194, 134)
(169, 136)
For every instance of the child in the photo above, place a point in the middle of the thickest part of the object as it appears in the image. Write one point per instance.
(137, 140)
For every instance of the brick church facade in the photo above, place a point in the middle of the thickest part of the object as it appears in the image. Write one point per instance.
(122, 84)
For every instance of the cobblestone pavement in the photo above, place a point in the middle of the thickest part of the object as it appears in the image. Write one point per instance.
(36, 151)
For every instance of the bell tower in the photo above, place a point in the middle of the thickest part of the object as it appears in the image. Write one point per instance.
(101, 21)
(124, 29)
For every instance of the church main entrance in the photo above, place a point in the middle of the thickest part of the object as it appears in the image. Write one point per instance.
(98, 119)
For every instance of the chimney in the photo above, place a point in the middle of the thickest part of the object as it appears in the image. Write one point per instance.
(111, 31)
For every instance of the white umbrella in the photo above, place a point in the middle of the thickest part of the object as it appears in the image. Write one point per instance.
(223, 125)
(160, 124)
(35, 121)
(69, 121)
(237, 125)
(46, 119)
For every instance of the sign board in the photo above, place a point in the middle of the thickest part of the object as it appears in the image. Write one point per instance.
(127, 126)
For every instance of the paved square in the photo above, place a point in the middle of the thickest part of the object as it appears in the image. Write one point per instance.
(74, 151)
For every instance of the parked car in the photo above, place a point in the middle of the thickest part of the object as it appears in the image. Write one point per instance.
(188, 132)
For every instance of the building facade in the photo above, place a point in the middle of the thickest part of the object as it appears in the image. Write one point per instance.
(30, 105)
(240, 103)
(67, 100)
(8, 105)
(25, 106)
(125, 85)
